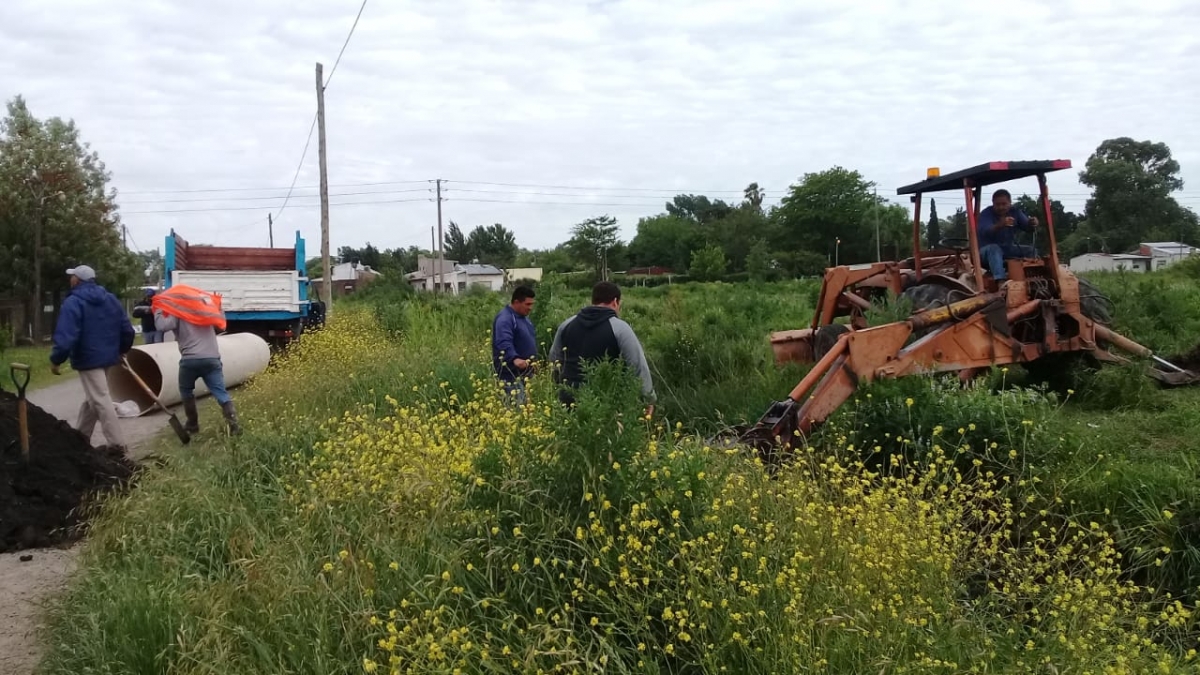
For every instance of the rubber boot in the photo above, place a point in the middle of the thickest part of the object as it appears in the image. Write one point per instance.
(235, 429)
(192, 423)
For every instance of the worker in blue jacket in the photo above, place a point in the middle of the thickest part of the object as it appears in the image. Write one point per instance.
(514, 344)
(94, 332)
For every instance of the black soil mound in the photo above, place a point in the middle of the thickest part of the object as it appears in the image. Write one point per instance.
(44, 502)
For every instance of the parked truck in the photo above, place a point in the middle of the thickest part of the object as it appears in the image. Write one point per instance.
(264, 291)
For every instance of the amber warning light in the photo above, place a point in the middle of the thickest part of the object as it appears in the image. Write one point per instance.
(933, 172)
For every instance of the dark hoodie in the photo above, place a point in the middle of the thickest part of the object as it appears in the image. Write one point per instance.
(596, 333)
(93, 329)
(144, 311)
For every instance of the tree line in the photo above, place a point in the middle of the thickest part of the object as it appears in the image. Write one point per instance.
(57, 209)
(830, 217)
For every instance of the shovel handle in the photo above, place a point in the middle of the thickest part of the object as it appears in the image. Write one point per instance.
(23, 382)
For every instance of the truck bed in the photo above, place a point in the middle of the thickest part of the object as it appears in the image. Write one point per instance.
(264, 292)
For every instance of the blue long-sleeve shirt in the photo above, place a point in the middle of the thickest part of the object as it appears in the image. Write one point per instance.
(1002, 235)
(513, 337)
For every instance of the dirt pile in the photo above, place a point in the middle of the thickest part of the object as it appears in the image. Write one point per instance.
(40, 500)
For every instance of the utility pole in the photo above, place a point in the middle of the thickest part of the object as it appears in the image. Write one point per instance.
(271, 230)
(878, 249)
(441, 242)
(326, 271)
(124, 237)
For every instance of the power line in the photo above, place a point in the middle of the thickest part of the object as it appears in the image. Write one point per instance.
(251, 199)
(268, 208)
(593, 187)
(541, 203)
(266, 189)
(563, 194)
(344, 44)
(299, 166)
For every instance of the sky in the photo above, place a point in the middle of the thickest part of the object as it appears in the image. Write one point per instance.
(539, 114)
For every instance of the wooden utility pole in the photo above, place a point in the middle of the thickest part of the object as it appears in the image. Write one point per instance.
(271, 230)
(878, 248)
(326, 271)
(441, 242)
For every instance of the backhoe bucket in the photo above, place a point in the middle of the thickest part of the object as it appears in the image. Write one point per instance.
(1178, 371)
(792, 346)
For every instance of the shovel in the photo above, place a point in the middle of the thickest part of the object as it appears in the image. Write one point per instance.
(22, 411)
(175, 423)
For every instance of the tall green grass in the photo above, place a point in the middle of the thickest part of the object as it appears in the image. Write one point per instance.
(211, 567)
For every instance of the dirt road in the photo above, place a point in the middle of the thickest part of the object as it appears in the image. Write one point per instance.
(25, 586)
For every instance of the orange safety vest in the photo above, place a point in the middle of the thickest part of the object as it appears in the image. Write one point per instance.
(190, 304)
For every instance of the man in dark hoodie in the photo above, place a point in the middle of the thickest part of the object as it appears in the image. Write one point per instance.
(143, 310)
(597, 333)
(94, 332)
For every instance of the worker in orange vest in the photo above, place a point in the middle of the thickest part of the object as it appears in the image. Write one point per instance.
(195, 315)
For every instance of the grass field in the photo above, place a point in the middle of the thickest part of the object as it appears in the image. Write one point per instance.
(385, 513)
(38, 360)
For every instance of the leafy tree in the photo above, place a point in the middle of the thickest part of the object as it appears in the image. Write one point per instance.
(956, 225)
(754, 197)
(592, 241)
(698, 208)
(735, 232)
(933, 232)
(802, 263)
(708, 263)
(56, 211)
(824, 207)
(895, 232)
(1132, 184)
(664, 240)
(493, 245)
(1065, 222)
(455, 245)
(758, 260)
(367, 255)
(151, 264)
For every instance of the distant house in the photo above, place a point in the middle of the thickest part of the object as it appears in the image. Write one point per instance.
(1108, 262)
(458, 277)
(516, 274)
(1149, 257)
(653, 271)
(348, 277)
(1166, 253)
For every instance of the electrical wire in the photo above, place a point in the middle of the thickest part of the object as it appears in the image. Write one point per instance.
(250, 199)
(344, 44)
(262, 208)
(593, 187)
(299, 166)
(267, 189)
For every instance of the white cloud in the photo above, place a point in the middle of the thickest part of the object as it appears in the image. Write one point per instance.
(674, 95)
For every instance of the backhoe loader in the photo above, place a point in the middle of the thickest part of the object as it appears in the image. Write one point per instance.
(963, 320)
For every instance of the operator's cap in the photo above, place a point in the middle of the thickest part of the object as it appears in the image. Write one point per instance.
(84, 273)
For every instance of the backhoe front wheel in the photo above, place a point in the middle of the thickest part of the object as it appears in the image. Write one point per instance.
(826, 337)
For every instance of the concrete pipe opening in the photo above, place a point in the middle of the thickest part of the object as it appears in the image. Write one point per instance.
(243, 355)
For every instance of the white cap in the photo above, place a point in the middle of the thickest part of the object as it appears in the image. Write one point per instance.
(84, 272)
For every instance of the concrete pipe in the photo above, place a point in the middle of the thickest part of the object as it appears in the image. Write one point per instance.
(243, 355)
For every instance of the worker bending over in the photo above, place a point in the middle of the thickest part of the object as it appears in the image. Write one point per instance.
(996, 229)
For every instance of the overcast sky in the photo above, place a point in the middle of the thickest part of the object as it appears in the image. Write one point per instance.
(622, 103)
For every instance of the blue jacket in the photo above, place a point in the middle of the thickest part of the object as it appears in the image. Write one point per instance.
(1003, 236)
(93, 329)
(513, 337)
